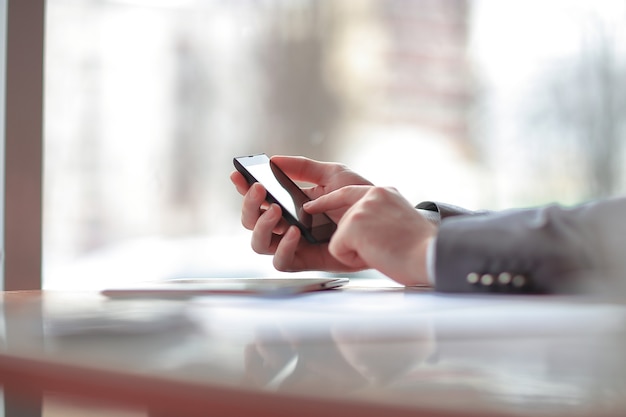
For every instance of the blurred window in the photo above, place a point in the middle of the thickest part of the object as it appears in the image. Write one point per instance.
(485, 104)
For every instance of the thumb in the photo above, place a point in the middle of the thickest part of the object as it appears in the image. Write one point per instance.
(299, 168)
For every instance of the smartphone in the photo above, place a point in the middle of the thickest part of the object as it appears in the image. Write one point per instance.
(316, 228)
(193, 287)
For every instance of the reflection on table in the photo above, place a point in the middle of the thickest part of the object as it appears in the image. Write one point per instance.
(351, 350)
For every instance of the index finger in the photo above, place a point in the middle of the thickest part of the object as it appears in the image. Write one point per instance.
(342, 198)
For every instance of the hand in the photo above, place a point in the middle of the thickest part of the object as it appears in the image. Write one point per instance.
(273, 236)
(380, 230)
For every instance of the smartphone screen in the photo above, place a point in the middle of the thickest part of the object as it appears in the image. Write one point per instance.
(287, 194)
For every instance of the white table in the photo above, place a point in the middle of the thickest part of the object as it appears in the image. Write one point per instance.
(353, 352)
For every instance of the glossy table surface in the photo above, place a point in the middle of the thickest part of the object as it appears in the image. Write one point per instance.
(359, 351)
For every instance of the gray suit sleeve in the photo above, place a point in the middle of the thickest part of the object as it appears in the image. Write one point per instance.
(551, 249)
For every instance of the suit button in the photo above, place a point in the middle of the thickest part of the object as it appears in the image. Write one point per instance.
(473, 278)
(504, 278)
(519, 281)
(486, 280)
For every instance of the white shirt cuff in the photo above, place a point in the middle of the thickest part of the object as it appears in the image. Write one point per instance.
(430, 260)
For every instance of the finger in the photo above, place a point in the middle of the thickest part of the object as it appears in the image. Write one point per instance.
(299, 168)
(240, 182)
(341, 198)
(285, 254)
(345, 253)
(264, 241)
(343, 246)
(252, 206)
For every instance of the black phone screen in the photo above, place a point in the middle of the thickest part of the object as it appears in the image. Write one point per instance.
(287, 194)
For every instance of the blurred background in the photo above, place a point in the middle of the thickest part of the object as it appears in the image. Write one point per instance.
(484, 104)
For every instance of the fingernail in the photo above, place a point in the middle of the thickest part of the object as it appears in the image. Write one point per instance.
(252, 191)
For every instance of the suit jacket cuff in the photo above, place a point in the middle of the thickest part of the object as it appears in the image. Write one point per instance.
(526, 251)
(444, 210)
(436, 212)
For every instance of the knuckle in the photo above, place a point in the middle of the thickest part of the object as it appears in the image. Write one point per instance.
(257, 248)
(262, 251)
(381, 193)
(246, 223)
(260, 248)
(376, 191)
(337, 170)
(280, 265)
(338, 167)
(360, 214)
(372, 196)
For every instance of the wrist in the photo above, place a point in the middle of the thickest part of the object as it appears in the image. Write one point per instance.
(420, 262)
(422, 265)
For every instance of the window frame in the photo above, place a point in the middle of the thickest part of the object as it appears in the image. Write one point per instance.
(22, 127)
